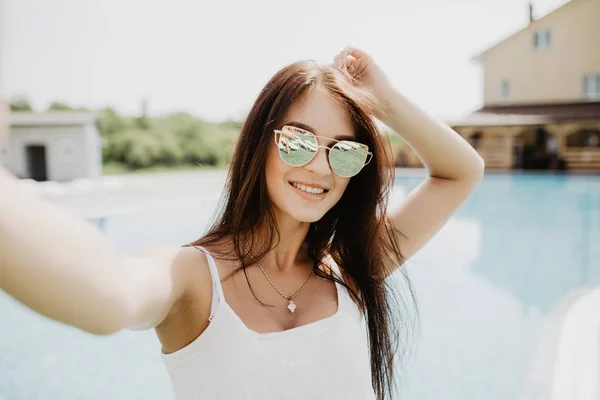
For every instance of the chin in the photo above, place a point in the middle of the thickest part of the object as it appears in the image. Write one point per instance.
(308, 216)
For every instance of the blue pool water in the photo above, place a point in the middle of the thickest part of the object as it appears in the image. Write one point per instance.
(491, 287)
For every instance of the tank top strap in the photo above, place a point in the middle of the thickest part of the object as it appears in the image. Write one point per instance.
(345, 301)
(217, 293)
(334, 268)
(342, 291)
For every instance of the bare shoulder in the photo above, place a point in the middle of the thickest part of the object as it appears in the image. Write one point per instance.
(189, 266)
(188, 315)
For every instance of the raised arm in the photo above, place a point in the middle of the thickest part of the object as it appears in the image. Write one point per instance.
(64, 268)
(455, 168)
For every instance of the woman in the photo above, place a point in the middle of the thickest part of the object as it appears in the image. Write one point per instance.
(271, 302)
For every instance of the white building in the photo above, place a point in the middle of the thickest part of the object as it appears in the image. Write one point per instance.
(56, 146)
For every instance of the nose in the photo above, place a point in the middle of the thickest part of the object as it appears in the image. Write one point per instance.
(320, 164)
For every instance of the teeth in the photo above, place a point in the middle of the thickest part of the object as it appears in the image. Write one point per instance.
(308, 189)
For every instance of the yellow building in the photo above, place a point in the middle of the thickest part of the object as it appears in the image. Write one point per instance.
(541, 93)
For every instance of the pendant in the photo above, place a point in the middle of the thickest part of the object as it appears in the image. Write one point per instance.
(291, 306)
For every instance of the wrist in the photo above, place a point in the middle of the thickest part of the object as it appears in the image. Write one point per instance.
(390, 105)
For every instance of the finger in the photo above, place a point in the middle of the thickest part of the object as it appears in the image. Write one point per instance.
(355, 52)
(350, 60)
(344, 56)
(362, 58)
(340, 63)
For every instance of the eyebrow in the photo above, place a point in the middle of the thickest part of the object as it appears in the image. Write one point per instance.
(314, 131)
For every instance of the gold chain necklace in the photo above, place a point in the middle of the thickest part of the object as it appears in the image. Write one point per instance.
(291, 305)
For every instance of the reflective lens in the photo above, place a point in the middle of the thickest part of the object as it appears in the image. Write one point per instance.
(297, 149)
(347, 158)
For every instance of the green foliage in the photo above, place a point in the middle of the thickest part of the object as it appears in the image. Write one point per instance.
(109, 122)
(60, 106)
(20, 104)
(143, 149)
(175, 140)
(396, 142)
(170, 152)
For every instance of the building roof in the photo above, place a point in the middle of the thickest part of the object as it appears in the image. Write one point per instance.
(531, 114)
(52, 118)
(479, 56)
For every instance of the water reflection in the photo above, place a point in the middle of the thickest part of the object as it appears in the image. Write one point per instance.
(494, 285)
(538, 235)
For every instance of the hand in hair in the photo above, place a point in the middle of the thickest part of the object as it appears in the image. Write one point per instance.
(363, 69)
(455, 168)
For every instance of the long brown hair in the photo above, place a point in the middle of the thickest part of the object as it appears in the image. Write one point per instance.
(365, 255)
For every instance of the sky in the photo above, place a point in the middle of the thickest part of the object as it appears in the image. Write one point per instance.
(212, 58)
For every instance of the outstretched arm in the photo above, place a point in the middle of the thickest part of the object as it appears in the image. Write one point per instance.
(64, 268)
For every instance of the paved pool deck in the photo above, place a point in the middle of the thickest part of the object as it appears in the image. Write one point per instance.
(116, 194)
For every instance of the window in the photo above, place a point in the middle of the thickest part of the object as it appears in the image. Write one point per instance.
(505, 90)
(542, 39)
(591, 87)
(584, 138)
(548, 37)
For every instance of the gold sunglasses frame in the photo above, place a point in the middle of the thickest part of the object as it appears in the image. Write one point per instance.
(288, 130)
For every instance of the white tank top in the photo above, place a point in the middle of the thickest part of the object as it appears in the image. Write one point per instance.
(326, 359)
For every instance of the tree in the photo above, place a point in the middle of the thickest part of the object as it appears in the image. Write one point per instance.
(143, 121)
(109, 122)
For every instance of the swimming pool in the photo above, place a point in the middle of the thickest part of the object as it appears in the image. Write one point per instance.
(493, 288)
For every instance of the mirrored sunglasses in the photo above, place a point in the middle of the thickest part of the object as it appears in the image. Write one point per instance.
(297, 147)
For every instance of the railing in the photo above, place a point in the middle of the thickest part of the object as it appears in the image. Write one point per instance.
(582, 157)
(496, 158)
(501, 158)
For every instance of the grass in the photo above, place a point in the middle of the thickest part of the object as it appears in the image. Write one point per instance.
(114, 168)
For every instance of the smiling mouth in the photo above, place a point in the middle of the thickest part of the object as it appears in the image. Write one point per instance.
(309, 189)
